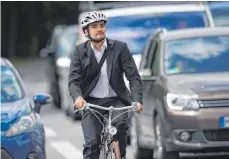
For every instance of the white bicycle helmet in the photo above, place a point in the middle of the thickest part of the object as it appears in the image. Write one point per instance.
(92, 17)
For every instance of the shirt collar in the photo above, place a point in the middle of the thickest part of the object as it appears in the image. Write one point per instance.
(104, 46)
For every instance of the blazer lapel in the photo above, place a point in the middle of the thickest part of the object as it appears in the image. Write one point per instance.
(110, 54)
(88, 56)
(88, 49)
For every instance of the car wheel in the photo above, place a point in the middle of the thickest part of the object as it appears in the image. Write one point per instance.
(160, 152)
(77, 116)
(128, 131)
(56, 96)
(67, 112)
(138, 152)
(128, 139)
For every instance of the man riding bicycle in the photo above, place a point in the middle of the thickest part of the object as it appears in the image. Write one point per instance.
(96, 76)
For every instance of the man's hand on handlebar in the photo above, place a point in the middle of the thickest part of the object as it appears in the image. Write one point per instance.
(79, 102)
(139, 107)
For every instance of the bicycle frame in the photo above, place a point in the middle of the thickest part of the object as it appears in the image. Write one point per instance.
(107, 125)
(108, 131)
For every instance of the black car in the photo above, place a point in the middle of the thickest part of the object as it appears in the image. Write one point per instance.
(185, 76)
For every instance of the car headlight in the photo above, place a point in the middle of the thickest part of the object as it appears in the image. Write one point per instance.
(63, 62)
(24, 123)
(182, 102)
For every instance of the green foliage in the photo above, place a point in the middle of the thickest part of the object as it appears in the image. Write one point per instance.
(26, 26)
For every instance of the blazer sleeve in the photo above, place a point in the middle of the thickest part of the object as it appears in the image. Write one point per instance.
(75, 75)
(132, 75)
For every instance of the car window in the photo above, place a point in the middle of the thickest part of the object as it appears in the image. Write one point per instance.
(156, 61)
(220, 13)
(153, 52)
(11, 89)
(66, 44)
(150, 54)
(197, 55)
(146, 54)
(136, 29)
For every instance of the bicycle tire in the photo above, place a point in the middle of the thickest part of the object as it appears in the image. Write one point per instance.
(114, 152)
(102, 154)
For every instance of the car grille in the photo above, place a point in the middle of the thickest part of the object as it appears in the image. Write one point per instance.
(214, 103)
(217, 135)
(5, 154)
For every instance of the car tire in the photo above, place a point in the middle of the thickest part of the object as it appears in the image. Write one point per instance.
(56, 96)
(138, 152)
(77, 116)
(160, 152)
(74, 116)
(67, 113)
(128, 140)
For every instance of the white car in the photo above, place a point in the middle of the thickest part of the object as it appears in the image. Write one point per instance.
(65, 47)
(134, 24)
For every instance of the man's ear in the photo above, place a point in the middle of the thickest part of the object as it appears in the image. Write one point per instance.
(85, 31)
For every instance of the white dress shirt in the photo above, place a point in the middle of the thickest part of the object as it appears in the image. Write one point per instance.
(102, 88)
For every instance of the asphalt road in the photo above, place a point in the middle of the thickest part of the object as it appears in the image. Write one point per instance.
(64, 137)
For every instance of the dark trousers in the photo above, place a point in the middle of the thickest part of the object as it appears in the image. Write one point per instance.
(92, 127)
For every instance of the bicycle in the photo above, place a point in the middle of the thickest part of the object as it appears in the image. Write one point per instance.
(109, 148)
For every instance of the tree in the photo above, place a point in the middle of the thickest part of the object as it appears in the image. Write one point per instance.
(26, 26)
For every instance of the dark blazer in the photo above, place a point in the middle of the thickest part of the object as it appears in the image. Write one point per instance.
(84, 72)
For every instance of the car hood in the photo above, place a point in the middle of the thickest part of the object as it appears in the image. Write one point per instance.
(206, 86)
(11, 112)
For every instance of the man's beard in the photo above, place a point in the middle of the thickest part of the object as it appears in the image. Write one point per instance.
(99, 39)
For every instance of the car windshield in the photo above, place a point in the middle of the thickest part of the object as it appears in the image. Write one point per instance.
(11, 90)
(66, 44)
(220, 13)
(197, 55)
(135, 30)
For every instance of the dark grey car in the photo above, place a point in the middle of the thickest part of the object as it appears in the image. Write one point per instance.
(185, 76)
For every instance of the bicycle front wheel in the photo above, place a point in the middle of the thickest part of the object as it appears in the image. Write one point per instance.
(114, 152)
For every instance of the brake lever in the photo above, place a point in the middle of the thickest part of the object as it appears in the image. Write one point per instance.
(84, 107)
(135, 108)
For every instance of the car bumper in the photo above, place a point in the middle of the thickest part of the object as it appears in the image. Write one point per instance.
(22, 145)
(205, 134)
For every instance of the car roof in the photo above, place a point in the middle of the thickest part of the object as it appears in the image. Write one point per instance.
(154, 9)
(193, 32)
(138, 10)
(5, 62)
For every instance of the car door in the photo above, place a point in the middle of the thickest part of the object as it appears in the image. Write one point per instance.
(149, 80)
(157, 90)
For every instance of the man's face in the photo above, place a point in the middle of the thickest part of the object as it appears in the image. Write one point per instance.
(97, 30)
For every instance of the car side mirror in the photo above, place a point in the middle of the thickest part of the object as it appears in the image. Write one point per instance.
(41, 99)
(147, 74)
(45, 52)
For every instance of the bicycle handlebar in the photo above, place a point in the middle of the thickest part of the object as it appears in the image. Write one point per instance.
(133, 106)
